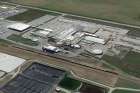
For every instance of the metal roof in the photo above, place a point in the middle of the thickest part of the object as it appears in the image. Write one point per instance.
(94, 39)
(9, 63)
(19, 26)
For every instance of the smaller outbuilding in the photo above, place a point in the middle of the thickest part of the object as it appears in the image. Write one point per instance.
(95, 39)
(19, 26)
(97, 51)
(51, 49)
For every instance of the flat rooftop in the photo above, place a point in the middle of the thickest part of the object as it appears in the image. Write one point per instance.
(9, 63)
(18, 26)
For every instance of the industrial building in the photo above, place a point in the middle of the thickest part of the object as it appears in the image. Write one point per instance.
(18, 26)
(51, 49)
(95, 39)
(42, 33)
(10, 63)
(71, 36)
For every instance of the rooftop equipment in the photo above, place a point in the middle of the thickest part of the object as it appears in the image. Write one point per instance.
(75, 46)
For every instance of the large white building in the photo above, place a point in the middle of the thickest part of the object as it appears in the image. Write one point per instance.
(9, 63)
(19, 26)
(95, 39)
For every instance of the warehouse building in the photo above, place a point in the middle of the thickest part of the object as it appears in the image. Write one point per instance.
(18, 27)
(95, 39)
(51, 49)
(9, 64)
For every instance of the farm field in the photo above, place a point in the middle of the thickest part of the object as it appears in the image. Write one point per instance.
(127, 83)
(129, 64)
(124, 11)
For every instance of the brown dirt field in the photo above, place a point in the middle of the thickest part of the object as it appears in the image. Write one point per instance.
(81, 71)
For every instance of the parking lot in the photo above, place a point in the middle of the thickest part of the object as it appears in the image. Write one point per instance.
(10, 10)
(37, 78)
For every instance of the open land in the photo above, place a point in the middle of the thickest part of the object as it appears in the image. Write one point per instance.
(124, 91)
(124, 11)
(127, 83)
(129, 64)
(86, 88)
(69, 83)
(18, 38)
(29, 15)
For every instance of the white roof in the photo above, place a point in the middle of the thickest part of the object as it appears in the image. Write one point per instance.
(4, 7)
(50, 30)
(19, 26)
(97, 51)
(44, 32)
(94, 39)
(50, 47)
(9, 63)
(70, 37)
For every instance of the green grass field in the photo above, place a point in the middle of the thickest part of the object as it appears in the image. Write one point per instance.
(18, 38)
(4, 42)
(69, 83)
(127, 83)
(124, 11)
(27, 16)
(135, 33)
(124, 91)
(130, 63)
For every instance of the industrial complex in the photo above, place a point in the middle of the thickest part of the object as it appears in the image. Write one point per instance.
(63, 35)
(56, 36)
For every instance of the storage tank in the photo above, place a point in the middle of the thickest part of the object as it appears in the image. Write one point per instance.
(97, 51)
(51, 49)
